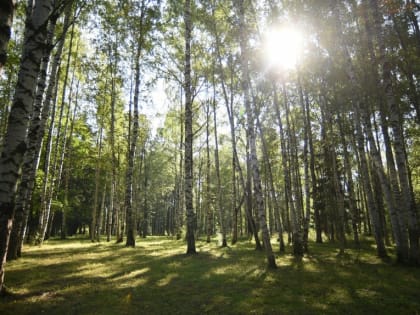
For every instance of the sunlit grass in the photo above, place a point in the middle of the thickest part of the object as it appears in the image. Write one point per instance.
(79, 277)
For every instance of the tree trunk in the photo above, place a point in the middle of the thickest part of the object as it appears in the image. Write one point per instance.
(188, 164)
(55, 170)
(180, 179)
(273, 192)
(391, 190)
(337, 198)
(364, 171)
(219, 184)
(271, 262)
(66, 152)
(14, 146)
(113, 191)
(409, 208)
(145, 227)
(295, 197)
(350, 184)
(249, 205)
(35, 136)
(199, 206)
(307, 133)
(208, 166)
(100, 216)
(94, 222)
(60, 148)
(130, 217)
(235, 160)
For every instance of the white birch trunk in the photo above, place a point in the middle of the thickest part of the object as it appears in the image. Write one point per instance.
(222, 218)
(14, 146)
(95, 222)
(34, 143)
(191, 218)
(373, 211)
(131, 222)
(252, 139)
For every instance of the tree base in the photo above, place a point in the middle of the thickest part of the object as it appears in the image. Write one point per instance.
(271, 263)
(5, 292)
(131, 242)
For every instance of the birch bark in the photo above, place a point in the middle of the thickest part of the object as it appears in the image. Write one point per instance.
(14, 146)
(259, 198)
(188, 165)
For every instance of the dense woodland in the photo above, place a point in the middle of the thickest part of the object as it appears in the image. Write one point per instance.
(239, 145)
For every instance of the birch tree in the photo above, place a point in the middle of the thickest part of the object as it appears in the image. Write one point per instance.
(131, 226)
(14, 146)
(409, 208)
(222, 219)
(271, 262)
(188, 122)
(42, 106)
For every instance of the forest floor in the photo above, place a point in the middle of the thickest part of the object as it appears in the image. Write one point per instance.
(76, 276)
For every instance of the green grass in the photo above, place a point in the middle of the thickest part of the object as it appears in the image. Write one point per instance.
(78, 277)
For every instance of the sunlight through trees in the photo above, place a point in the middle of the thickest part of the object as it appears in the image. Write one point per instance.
(280, 122)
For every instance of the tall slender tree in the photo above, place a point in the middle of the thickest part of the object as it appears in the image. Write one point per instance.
(364, 166)
(14, 146)
(408, 203)
(41, 111)
(220, 205)
(271, 262)
(188, 122)
(131, 222)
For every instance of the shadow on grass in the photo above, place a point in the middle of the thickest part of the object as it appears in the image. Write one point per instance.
(156, 277)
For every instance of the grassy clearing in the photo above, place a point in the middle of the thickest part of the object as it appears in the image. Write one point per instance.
(78, 277)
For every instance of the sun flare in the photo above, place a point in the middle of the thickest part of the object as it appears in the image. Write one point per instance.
(283, 47)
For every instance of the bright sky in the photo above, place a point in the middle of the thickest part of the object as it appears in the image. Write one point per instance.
(283, 47)
(156, 109)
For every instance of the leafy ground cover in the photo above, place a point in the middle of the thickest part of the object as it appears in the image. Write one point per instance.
(76, 276)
